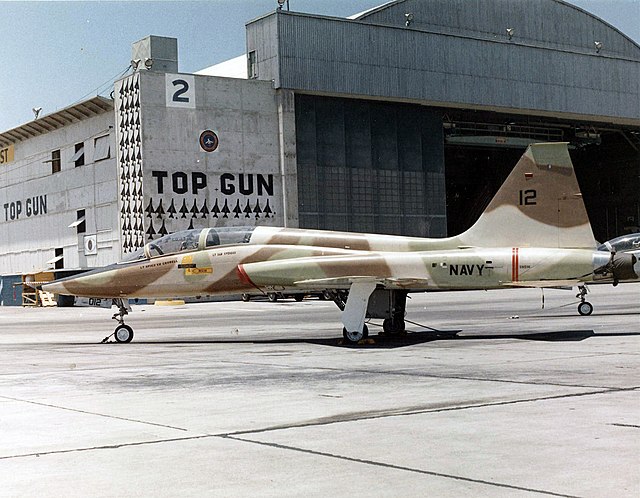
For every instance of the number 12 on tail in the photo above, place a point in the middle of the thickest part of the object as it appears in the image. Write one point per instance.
(528, 197)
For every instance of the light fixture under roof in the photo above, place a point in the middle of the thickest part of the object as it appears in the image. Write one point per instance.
(408, 19)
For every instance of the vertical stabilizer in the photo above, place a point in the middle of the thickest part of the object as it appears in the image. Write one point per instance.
(539, 205)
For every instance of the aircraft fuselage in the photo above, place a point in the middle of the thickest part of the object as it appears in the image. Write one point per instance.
(252, 268)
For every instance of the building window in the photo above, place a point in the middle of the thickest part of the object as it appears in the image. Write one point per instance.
(101, 148)
(55, 161)
(80, 224)
(59, 262)
(252, 65)
(78, 157)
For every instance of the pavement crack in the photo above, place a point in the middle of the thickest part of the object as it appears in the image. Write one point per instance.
(106, 447)
(416, 410)
(97, 414)
(397, 467)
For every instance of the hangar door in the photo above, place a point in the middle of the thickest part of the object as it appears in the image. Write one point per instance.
(370, 167)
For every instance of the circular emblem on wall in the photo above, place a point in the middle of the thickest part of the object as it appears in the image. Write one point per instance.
(209, 141)
(90, 245)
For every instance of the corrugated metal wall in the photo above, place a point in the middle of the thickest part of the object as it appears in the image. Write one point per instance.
(552, 23)
(337, 56)
(264, 34)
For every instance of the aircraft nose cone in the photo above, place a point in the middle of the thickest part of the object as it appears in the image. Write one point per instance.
(54, 287)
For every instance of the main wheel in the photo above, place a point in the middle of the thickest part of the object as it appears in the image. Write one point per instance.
(393, 326)
(585, 308)
(246, 297)
(123, 333)
(272, 297)
(355, 337)
(298, 297)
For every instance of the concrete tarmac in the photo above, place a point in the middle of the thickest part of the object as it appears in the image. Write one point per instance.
(498, 398)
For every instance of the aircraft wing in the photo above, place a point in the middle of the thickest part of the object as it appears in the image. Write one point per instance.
(395, 283)
(541, 284)
(393, 271)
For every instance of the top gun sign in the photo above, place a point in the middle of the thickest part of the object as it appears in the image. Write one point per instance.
(179, 200)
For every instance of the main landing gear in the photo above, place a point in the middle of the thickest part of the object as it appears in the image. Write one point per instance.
(365, 301)
(123, 332)
(585, 308)
(393, 313)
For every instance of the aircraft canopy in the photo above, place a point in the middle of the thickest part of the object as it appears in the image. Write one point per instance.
(624, 243)
(192, 240)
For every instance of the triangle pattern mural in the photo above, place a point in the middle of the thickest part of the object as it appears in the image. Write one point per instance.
(128, 138)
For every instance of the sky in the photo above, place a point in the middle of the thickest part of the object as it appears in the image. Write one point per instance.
(56, 53)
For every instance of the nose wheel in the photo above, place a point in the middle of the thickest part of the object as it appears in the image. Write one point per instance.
(585, 308)
(123, 332)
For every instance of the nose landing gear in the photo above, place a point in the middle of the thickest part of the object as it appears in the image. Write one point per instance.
(585, 308)
(123, 332)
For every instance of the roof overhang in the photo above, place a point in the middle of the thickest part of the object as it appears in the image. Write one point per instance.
(56, 120)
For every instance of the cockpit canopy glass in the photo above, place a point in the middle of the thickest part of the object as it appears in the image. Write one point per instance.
(184, 241)
(228, 235)
(623, 243)
(192, 240)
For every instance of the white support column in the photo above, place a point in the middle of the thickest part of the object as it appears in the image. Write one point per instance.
(288, 162)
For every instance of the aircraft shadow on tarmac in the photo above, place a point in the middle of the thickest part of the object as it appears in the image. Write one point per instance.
(383, 341)
(572, 315)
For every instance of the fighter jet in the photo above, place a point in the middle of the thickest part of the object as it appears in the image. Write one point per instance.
(535, 232)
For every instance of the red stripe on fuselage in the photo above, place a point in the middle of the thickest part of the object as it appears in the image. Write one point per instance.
(244, 278)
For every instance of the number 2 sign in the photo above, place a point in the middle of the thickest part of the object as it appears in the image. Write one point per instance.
(180, 90)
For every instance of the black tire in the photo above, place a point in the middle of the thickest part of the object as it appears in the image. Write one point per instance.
(298, 297)
(272, 297)
(391, 326)
(123, 334)
(585, 308)
(246, 298)
(353, 337)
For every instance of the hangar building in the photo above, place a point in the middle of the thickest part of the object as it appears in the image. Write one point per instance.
(404, 119)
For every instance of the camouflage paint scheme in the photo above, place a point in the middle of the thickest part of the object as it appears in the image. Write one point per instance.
(535, 232)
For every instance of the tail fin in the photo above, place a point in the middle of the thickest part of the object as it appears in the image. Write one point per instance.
(538, 205)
